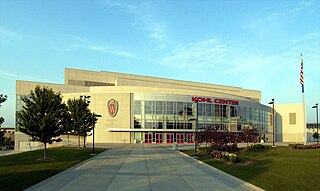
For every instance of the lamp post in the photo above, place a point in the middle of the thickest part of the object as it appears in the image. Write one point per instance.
(196, 130)
(272, 102)
(86, 100)
(93, 122)
(316, 107)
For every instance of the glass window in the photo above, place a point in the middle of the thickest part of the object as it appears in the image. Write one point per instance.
(292, 118)
(137, 107)
(189, 108)
(137, 124)
(208, 111)
(148, 105)
(224, 111)
(180, 126)
(233, 111)
(217, 110)
(169, 125)
(170, 108)
(149, 125)
(201, 108)
(239, 127)
(159, 107)
(180, 110)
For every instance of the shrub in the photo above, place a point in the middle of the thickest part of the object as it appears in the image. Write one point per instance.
(296, 145)
(223, 147)
(225, 156)
(205, 149)
(215, 154)
(301, 146)
(258, 147)
(233, 158)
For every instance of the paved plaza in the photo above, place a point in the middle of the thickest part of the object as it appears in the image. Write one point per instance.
(142, 167)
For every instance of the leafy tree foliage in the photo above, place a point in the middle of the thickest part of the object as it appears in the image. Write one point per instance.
(7, 141)
(2, 138)
(3, 98)
(249, 135)
(222, 138)
(82, 119)
(43, 117)
(316, 135)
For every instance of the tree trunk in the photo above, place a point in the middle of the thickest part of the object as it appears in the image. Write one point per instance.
(78, 141)
(45, 151)
(84, 141)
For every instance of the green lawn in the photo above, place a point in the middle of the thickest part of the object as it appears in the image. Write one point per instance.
(278, 169)
(20, 171)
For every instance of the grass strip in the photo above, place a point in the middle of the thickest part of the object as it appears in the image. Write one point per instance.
(277, 169)
(20, 171)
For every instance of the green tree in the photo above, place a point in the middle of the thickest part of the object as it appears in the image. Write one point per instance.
(7, 141)
(249, 135)
(81, 118)
(2, 138)
(43, 117)
(316, 135)
(3, 98)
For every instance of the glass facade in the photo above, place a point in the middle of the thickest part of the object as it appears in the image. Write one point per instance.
(175, 116)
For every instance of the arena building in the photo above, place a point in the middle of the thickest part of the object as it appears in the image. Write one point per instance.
(157, 110)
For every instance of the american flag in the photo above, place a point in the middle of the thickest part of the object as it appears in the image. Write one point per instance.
(301, 75)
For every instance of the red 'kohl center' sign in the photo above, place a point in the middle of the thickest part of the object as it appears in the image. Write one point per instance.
(218, 101)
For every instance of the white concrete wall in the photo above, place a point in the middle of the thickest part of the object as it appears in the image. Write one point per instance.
(98, 105)
(286, 132)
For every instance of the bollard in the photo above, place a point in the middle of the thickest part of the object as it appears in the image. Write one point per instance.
(175, 146)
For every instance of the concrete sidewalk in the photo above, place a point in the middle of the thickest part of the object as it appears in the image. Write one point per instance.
(142, 167)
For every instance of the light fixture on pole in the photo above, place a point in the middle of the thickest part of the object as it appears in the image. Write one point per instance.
(316, 107)
(86, 98)
(86, 101)
(196, 130)
(93, 123)
(272, 102)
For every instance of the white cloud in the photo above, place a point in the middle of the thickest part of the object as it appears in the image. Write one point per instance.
(200, 55)
(300, 5)
(8, 36)
(7, 74)
(103, 48)
(271, 17)
(144, 19)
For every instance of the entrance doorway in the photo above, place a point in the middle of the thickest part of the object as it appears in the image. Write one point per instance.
(190, 138)
(148, 138)
(180, 137)
(159, 138)
(169, 137)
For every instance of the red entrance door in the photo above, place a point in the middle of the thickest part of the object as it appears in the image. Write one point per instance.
(180, 138)
(169, 137)
(190, 138)
(159, 138)
(148, 138)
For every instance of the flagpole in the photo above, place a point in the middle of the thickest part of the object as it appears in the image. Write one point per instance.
(304, 120)
(303, 102)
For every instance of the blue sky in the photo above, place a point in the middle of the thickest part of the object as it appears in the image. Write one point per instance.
(243, 43)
